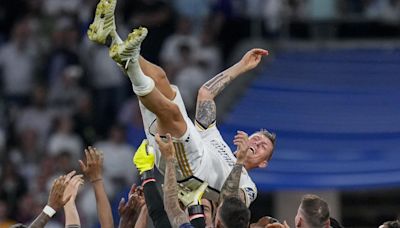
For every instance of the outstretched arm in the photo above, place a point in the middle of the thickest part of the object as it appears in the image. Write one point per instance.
(93, 170)
(206, 109)
(176, 215)
(55, 202)
(70, 211)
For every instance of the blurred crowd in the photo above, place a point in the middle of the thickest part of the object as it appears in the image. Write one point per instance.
(60, 92)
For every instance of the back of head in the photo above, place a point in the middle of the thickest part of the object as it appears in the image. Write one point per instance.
(391, 224)
(233, 213)
(315, 211)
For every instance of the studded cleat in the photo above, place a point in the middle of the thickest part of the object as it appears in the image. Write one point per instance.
(129, 50)
(103, 29)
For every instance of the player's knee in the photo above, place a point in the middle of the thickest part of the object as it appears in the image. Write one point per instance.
(204, 93)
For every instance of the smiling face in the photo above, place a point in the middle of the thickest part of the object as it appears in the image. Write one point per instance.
(261, 151)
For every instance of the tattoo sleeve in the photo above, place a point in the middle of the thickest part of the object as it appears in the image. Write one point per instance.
(40, 221)
(206, 112)
(206, 108)
(216, 84)
(175, 214)
(231, 184)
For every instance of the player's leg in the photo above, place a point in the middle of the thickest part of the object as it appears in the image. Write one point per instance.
(103, 31)
(169, 117)
(159, 77)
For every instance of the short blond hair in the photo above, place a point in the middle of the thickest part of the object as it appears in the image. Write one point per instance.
(271, 136)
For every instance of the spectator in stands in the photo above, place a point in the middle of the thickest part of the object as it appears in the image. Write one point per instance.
(29, 206)
(195, 10)
(117, 158)
(58, 7)
(13, 186)
(64, 97)
(84, 119)
(64, 50)
(129, 116)
(17, 64)
(274, 14)
(26, 154)
(172, 58)
(312, 212)
(209, 53)
(157, 16)
(37, 116)
(106, 82)
(64, 139)
(190, 77)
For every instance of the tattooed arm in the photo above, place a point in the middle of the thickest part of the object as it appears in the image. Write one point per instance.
(40, 221)
(231, 184)
(176, 215)
(205, 108)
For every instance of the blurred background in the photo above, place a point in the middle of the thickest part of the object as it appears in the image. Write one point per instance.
(330, 89)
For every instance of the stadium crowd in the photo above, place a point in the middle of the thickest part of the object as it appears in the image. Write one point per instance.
(60, 93)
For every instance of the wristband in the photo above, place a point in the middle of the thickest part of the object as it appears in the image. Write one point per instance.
(49, 211)
(195, 209)
(147, 175)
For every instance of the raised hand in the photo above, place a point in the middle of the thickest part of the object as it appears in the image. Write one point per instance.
(129, 211)
(252, 58)
(93, 168)
(166, 148)
(56, 198)
(72, 188)
(241, 140)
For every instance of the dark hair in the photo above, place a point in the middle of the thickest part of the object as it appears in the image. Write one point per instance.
(315, 211)
(335, 223)
(271, 136)
(392, 224)
(234, 213)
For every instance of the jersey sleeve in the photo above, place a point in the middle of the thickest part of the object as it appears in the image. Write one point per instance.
(209, 132)
(249, 189)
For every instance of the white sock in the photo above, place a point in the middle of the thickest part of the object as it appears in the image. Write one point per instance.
(141, 84)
